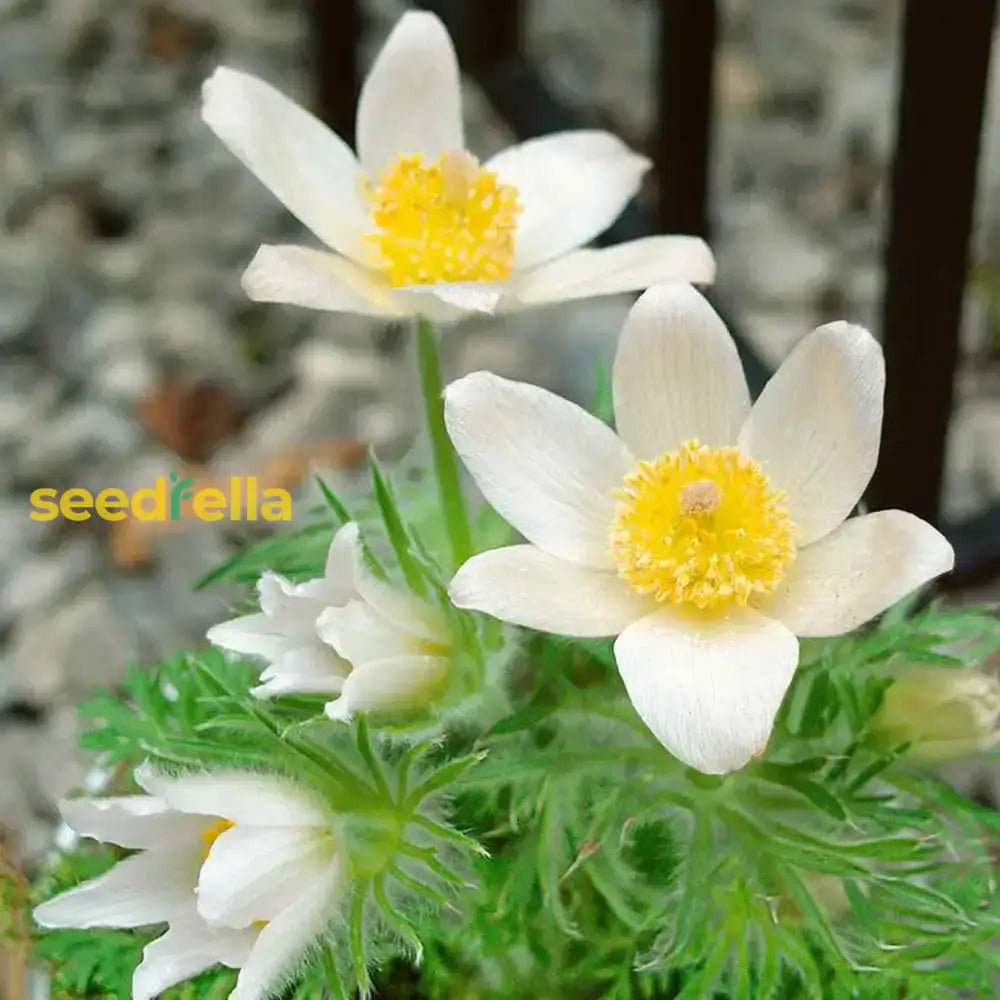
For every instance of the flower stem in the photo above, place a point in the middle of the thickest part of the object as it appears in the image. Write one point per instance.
(456, 518)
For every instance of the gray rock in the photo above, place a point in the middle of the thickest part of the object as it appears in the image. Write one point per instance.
(38, 580)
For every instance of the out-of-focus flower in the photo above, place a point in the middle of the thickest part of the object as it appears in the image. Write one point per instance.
(243, 868)
(945, 713)
(398, 646)
(283, 632)
(705, 534)
(414, 223)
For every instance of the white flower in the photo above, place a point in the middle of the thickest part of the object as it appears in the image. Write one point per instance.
(242, 867)
(284, 631)
(705, 534)
(397, 644)
(155, 886)
(274, 866)
(946, 713)
(414, 224)
(346, 633)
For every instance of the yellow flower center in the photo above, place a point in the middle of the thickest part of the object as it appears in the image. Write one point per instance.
(703, 527)
(212, 834)
(448, 221)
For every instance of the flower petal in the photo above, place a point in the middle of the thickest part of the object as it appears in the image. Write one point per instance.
(708, 689)
(255, 799)
(253, 873)
(571, 186)
(859, 570)
(315, 669)
(523, 585)
(188, 948)
(411, 102)
(305, 166)
(394, 684)
(252, 635)
(361, 635)
(546, 465)
(677, 374)
(314, 279)
(582, 274)
(282, 942)
(399, 607)
(815, 428)
(144, 889)
(463, 296)
(133, 821)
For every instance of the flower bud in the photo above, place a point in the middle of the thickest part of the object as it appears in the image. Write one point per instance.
(945, 713)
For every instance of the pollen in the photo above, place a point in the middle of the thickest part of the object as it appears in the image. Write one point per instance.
(448, 221)
(212, 834)
(702, 527)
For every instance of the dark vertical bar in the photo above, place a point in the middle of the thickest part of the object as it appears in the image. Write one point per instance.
(334, 30)
(492, 30)
(946, 53)
(484, 31)
(685, 83)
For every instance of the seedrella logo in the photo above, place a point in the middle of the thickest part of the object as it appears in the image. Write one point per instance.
(242, 500)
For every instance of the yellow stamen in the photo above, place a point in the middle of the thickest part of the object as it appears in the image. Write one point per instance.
(449, 221)
(212, 834)
(703, 527)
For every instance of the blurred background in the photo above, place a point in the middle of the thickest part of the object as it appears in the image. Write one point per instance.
(129, 351)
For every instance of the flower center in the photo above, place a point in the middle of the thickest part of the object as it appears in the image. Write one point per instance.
(702, 526)
(447, 221)
(212, 834)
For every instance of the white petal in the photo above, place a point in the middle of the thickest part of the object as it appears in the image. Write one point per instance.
(571, 186)
(399, 607)
(815, 428)
(252, 635)
(411, 102)
(546, 465)
(187, 949)
(253, 873)
(465, 296)
(859, 570)
(134, 821)
(255, 799)
(144, 889)
(708, 689)
(314, 279)
(582, 274)
(315, 669)
(283, 941)
(340, 560)
(523, 585)
(677, 374)
(361, 635)
(395, 684)
(305, 166)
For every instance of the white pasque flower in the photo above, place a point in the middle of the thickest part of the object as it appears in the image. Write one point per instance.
(414, 224)
(705, 534)
(243, 868)
(347, 633)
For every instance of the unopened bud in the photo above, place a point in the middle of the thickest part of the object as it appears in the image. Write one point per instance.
(945, 713)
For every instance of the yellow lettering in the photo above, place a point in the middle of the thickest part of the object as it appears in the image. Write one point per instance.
(44, 505)
(75, 504)
(209, 504)
(157, 494)
(277, 505)
(111, 504)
